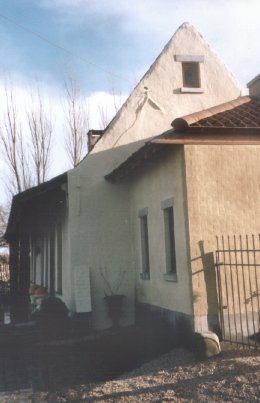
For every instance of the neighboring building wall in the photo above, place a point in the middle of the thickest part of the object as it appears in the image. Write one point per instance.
(223, 198)
(254, 87)
(154, 187)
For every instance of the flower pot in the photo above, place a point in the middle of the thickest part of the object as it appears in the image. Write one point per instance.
(114, 305)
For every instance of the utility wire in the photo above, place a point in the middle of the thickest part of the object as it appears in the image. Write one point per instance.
(62, 48)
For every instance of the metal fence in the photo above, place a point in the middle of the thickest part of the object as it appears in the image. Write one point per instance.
(238, 282)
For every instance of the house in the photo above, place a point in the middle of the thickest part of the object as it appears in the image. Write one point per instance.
(187, 186)
(79, 234)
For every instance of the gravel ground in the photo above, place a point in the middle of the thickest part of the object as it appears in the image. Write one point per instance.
(233, 376)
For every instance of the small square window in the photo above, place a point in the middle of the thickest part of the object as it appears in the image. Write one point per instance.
(191, 74)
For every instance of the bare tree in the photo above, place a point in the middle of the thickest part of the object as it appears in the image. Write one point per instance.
(104, 115)
(117, 99)
(25, 143)
(40, 129)
(77, 122)
(14, 147)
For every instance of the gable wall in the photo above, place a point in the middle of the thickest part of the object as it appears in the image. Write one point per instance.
(223, 195)
(141, 119)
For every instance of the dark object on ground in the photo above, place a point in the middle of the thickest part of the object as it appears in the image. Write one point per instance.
(255, 337)
(52, 319)
(115, 308)
(19, 303)
(205, 345)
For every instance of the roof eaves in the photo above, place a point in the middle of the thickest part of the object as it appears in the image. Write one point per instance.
(143, 153)
(198, 135)
(41, 188)
(29, 194)
(129, 164)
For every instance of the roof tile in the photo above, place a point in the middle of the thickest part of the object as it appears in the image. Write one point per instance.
(241, 112)
(246, 114)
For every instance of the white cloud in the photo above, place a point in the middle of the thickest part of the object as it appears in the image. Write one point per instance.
(231, 27)
(105, 102)
(162, 14)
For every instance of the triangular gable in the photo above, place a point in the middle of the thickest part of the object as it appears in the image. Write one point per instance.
(161, 96)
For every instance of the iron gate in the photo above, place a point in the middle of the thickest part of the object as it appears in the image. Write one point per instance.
(238, 282)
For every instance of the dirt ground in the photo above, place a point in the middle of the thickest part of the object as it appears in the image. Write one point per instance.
(233, 376)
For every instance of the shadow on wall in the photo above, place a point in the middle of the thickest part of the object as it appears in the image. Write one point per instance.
(210, 279)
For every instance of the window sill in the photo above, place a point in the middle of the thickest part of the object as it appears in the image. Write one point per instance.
(145, 276)
(191, 90)
(170, 277)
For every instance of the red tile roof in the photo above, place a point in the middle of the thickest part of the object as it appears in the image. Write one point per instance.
(229, 123)
(241, 112)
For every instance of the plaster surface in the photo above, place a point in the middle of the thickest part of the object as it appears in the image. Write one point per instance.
(101, 234)
(222, 195)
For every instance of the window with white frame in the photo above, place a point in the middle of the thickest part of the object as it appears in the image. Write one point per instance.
(191, 75)
(191, 72)
(169, 238)
(143, 216)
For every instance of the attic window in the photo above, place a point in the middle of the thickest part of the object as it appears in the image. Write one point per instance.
(191, 75)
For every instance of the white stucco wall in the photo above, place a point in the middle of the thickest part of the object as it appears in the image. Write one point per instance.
(100, 237)
(112, 221)
(99, 212)
(160, 180)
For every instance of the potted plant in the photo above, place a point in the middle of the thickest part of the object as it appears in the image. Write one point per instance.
(114, 299)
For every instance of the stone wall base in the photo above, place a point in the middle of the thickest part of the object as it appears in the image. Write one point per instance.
(180, 323)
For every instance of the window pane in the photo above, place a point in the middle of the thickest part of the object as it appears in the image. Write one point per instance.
(191, 77)
(169, 240)
(145, 244)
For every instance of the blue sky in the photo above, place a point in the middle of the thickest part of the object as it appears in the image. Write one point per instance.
(89, 38)
(120, 36)
(85, 34)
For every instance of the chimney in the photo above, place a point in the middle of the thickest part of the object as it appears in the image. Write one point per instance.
(93, 137)
(254, 87)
